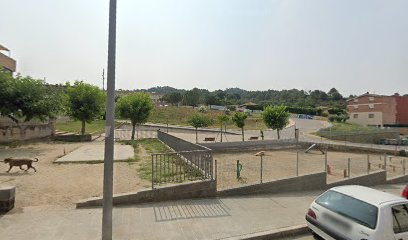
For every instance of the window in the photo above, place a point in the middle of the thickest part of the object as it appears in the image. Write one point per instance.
(356, 100)
(371, 115)
(358, 211)
(355, 106)
(371, 106)
(371, 99)
(355, 116)
(400, 218)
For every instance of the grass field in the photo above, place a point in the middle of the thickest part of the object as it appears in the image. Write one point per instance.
(143, 150)
(180, 116)
(345, 128)
(96, 127)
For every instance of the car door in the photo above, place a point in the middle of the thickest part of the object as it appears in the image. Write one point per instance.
(400, 221)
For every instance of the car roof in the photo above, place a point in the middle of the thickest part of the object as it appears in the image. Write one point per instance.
(369, 195)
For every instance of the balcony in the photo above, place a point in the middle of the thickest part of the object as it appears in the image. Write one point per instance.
(6, 61)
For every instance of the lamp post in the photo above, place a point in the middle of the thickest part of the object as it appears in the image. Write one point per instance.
(110, 128)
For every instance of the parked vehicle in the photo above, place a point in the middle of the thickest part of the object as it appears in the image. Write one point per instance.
(404, 193)
(358, 213)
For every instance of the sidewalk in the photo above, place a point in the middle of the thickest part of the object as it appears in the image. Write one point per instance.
(218, 218)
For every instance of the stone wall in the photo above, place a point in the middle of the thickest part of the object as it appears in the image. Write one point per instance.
(198, 189)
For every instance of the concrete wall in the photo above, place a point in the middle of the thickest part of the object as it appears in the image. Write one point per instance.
(397, 180)
(198, 189)
(374, 178)
(347, 148)
(250, 145)
(315, 181)
(73, 138)
(11, 133)
(7, 198)
(178, 144)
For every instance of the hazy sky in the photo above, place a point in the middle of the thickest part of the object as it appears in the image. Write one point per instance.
(353, 45)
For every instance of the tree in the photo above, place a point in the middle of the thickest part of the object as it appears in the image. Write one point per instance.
(173, 97)
(85, 102)
(192, 97)
(334, 94)
(199, 121)
(239, 120)
(25, 98)
(276, 117)
(136, 107)
(223, 119)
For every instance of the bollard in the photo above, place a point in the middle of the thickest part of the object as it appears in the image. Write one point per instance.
(215, 166)
(297, 164)
(403, 166)
(393, 168)
(368, 164)
(345, 173)
(239, 169)
(349, 167)
(325, 162)
(261, 166)
(385, 162)
(328, 170)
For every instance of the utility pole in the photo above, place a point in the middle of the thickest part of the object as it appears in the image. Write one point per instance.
(110, 128)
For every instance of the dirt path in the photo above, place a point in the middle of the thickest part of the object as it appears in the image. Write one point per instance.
(61, 185)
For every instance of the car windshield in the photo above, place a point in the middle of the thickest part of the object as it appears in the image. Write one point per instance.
(354, 209)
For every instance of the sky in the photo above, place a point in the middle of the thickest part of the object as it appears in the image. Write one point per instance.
(353, 45)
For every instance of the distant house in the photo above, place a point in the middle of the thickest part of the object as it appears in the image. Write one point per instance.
(156, 97)
(6, 61)
(379, 110)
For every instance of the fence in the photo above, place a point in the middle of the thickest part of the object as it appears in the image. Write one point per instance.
(189, 161)
(181, 166)
(249, 167)
(236, 169)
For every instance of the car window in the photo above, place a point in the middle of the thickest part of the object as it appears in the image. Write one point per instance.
(358, 211)
(400, 218)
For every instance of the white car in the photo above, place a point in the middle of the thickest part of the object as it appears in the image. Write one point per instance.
(358, 213)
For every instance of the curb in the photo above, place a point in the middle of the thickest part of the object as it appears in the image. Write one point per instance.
(274, 234)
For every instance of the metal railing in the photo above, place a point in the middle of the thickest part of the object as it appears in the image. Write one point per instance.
(181, 166)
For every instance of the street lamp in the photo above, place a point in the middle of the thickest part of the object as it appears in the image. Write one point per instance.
(110, 128)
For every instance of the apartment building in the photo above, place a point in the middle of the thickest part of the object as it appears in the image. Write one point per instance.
(379, 110)
(5, 60)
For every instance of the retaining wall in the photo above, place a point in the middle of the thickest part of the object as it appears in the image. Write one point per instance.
(316, 181)
(251, 145)
(346, 148)
(178, 144)
(397, 180)
(198, 189)
(11, 133)
(374, 178)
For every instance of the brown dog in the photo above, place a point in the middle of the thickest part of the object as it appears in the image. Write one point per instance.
(14, 162)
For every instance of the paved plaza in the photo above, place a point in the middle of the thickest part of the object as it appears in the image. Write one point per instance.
(219, 218)
(94, 152)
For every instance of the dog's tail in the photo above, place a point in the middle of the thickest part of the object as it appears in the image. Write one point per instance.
(36, 159)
